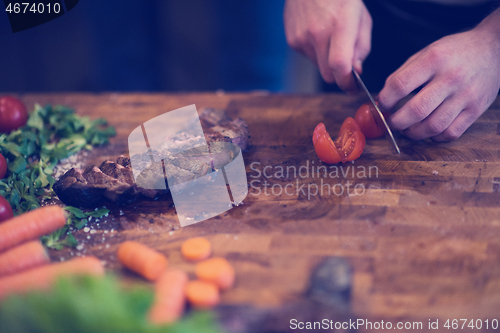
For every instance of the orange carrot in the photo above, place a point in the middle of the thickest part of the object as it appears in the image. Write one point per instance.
(23, 257)
(42, 278)
(142, 259)
(197, 248)
(216, 270)
(202, 294)
(170, 298)
(31, 225)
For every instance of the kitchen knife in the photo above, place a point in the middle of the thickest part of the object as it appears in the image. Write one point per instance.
(377, 115)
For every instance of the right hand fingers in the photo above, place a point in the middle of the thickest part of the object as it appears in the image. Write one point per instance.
(349, 45)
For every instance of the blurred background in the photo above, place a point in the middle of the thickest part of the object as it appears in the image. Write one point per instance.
(199, 45)
(156, 45)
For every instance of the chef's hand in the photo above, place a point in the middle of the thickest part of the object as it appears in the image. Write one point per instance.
(460, 75)
(334, 34)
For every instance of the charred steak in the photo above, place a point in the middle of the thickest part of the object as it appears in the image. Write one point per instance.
(115, 181)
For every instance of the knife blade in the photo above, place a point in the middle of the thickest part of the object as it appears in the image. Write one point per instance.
(377, 114)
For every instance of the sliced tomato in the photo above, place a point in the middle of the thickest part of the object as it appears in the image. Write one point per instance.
(347, 147)
(366, 122)
(324, 146)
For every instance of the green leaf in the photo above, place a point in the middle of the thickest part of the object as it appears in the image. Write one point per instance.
(98, 213)
(42, 179)
(70, 241)
(75, 211)
(55, 240)
(35, 120)
(92, 304)
(11, 147)
(51, 134)
(81, 223)
(18, 165)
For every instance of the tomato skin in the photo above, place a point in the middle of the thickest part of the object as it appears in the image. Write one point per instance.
(347, 147)
(13, 114)
(3, 166)
(367, 123)
(5, 210)
(323, 144)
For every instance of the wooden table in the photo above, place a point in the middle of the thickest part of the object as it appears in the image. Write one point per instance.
(422, 235)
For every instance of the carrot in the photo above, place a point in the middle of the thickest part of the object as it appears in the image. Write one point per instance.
(216, 270)
(202, 294)
(197, 248)
(31, 225)
(23, 257)
(169, 297)
(142, 259)
(42, 278)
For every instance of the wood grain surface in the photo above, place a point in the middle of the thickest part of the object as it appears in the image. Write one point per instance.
(421, 232)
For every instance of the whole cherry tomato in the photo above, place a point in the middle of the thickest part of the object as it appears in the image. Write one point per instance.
(347, 147)
(366, 122)
(3, 166)
(12, 114)
(5, 209)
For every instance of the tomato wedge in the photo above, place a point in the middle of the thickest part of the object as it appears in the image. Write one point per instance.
(347, 147)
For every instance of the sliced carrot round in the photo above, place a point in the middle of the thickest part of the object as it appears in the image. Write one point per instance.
(142, 259)
(197, 248)
(216, 270)
(202, 294)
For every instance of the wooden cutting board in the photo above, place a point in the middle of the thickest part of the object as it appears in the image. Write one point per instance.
(421, 230)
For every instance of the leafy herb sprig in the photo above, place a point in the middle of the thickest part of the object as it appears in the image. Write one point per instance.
(90, 304)
(52, 133)
(77, 219)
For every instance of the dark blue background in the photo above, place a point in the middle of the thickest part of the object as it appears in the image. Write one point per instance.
(200, 45)
(153, 45)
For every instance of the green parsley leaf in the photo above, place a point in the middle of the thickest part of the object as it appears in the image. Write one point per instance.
(51, 134)
(92, 304)
(18, 165)
(98, 213)
(77, 212)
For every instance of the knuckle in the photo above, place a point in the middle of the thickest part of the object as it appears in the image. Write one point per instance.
(468, 95)
(455, 77)
(337, 63)
(419, 110)
(328, 78)
(435, 55)
(296, 40)
(437, 126)
(396, 83)
(317, 33)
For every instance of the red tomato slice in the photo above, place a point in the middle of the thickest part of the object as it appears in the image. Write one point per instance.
(347, 147)
(366, 122)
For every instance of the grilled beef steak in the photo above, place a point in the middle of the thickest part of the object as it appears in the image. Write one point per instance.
(115, 181)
